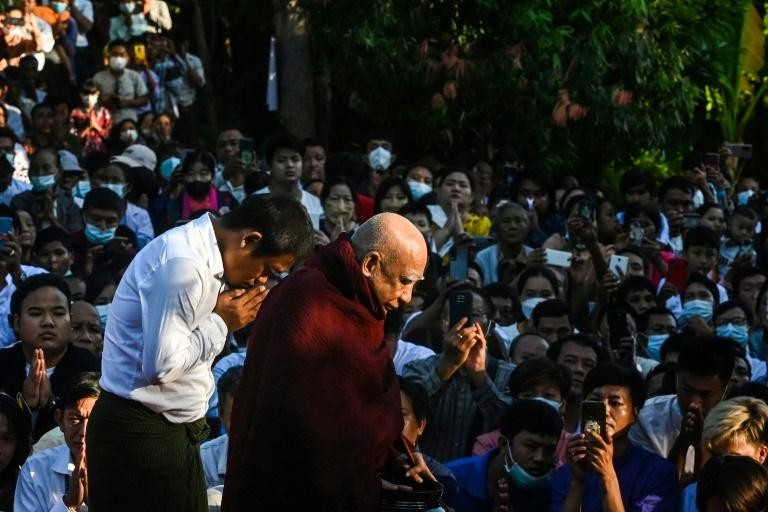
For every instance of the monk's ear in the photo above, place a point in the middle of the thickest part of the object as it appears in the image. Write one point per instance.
(370, 261)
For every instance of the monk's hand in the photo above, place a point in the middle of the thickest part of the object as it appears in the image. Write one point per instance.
(239, 307)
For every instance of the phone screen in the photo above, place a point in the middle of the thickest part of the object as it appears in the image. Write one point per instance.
(459, 268)
(246, 150)
(593, 417)
(617, 328)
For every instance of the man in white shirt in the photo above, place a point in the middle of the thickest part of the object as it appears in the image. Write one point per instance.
(168, 320)
(670, 425)
(9, 186)
(55, 479)
(284, 154)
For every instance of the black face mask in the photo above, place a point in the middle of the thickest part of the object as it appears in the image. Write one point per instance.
(197, 189)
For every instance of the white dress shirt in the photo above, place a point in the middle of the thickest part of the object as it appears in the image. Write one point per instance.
(310, 202)
(42, 482)
(7, 337)
(214, 456)
(658, 426)
(162, 334)
(407, 352)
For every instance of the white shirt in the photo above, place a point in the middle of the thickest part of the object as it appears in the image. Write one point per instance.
(187, 92)
(15, 121)
(137, 219)
(407, 352)
(162, 334)
(16, 187)
(41, 483)
(658, 426)
(488, 261)
(214, 456)
(310, 202)
(7, 337)
(86, 9)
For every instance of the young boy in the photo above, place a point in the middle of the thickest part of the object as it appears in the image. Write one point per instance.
(53, 250)
(737, 247)
(115, 177)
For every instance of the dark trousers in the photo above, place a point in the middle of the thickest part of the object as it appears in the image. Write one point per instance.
(138, 460)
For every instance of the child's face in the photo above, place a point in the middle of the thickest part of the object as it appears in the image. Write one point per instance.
(741, 228)
(701, 259)
(420, 221)
(55, 258)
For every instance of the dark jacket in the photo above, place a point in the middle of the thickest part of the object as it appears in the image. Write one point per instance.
(13, 372)
(67, 212)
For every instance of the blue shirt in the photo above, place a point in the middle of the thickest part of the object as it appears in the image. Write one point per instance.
(472, 476)
(647, 482)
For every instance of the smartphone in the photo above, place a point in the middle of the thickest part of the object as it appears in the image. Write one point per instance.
(617, 328)
(691, 220)
(712, 160)
(16, 22)
(459, 267)
(140, 54)
(677, 273)
(459, 306)
(6, 226)
(559, 258)
(743, 151)
(619, 265)
(593, 418)
(586, 209)
(636, 235)
(246, 150)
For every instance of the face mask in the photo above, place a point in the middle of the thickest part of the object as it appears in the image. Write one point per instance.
(237, 192)
(419, 189)
(738, 333)
(129, 136)
(197, 189)
(742, 198)
(551, 403)
(655, 341)
(58, 7)
(528, 305)
(82, 188)
(103, 310)
(117, 188)
(379, 159)
(98, 236)
(519, 476)
(168, 166)
(702, 308)
(118, 63)
(698, 199)
(90, 100)
(127, 8)
(41, 183)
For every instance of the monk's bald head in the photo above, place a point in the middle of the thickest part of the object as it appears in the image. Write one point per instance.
(393, 254)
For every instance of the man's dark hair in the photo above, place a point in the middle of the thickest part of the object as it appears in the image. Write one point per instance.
(229, 382)
(742, 274)
(54, 100)
(83, 385)
(644, 319)
(37, 108)
(745, 211)
(532, 416)
(732, 304)
(283, 223)
(672, 344)
(52, 234)
(675, 183)
(580, 339)
(416, 208)
(612, 374)
(8, 133)
(698, 278)
(281, 141)
(538, 371)
(753, 389)
(537, 271)
(95, 284)
(551, 308)
(633, 284)
(117, 42)
(739, 482)
(103, 199)
(34, 283)
(701, 236)
(418, 396)
(650, 210)
(669, 376)
(708, 355)
(635, 178)
(501, 290)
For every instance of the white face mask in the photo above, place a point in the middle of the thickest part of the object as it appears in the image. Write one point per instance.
(418, 189)
(118, 63)
(380, 159)
(129, 136)
(90, 100)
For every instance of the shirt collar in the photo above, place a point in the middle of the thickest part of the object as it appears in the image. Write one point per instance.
(62, 461)
(205, 226)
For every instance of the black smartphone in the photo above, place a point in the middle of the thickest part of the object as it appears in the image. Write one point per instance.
(593, 417)
(743, 151)
(459, 268)
(246, 150)
(459, 306)
(691, 220)
(617, 328)
(587, 209)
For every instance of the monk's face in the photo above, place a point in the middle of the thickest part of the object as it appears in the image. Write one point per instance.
(394, 277)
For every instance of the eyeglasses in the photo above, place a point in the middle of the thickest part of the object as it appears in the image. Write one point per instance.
(735, 321)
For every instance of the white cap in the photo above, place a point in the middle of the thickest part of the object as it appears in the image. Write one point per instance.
(138, 155)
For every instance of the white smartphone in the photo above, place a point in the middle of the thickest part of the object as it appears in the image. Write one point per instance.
(558, 258)
(619, 263)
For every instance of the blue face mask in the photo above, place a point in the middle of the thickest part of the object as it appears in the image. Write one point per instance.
(82, 189)
(103, 310)
(419, 189)
(40, 183)
(655, 341)
(117, 188)
(702, 308)
(98, 236)
(742, 198)
(519, 476)
(738, 333)
(58, 7)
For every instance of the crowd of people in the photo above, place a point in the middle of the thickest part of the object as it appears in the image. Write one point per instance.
(567, 347)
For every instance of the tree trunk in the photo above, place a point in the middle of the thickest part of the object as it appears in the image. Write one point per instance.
(294, 69)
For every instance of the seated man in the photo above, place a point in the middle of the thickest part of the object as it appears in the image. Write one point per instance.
(86, 327)
(516, 475)
(55, 479)
(669, 425)
(43, 362)
(53, 250)
(737, 426)
(465, 383)
(607, 471)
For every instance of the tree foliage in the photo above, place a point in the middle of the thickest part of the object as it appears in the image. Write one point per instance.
(571, 84)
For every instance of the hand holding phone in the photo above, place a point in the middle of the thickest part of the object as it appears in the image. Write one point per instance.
(460, 306)
(593, 415)
(246, 146)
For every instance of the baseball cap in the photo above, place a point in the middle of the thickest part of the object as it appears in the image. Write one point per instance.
(69, 161)
(138, 155)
